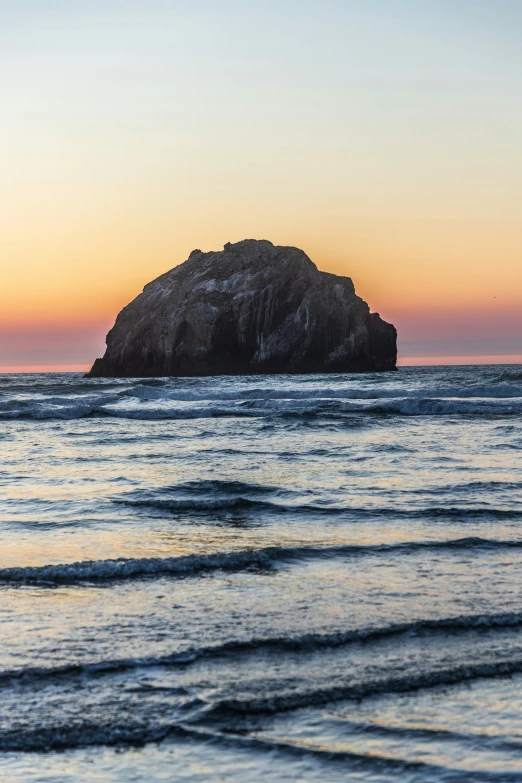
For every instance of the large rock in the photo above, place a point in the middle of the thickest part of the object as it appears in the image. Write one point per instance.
(251, 308)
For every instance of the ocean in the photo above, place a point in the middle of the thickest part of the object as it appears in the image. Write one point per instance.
(270, 578)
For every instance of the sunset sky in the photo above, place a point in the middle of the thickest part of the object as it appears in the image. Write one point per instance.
(382, 137)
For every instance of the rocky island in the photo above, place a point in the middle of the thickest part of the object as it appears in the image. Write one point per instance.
(251, 308)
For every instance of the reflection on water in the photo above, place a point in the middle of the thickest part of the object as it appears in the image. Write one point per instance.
(309, 578)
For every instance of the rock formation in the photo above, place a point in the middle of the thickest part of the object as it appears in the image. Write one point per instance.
(250, 308)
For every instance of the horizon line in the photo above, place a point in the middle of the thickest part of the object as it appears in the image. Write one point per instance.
(407, 361)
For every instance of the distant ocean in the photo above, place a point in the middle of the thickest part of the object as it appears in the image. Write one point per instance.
(276, 578)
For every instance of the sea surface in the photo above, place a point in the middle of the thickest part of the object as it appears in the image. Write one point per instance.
(270, 578)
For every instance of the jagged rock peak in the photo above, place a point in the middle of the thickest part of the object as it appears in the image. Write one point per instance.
(253, 307)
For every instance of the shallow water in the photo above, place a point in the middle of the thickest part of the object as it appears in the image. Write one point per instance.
(311, 578)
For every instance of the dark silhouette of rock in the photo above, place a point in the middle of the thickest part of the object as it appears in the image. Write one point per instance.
(251, 308)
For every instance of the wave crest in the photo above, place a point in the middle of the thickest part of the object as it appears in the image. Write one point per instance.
(99, 571)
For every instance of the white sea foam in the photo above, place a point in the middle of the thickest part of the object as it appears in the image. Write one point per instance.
(172, 410)
(489, 391)
(170, 399)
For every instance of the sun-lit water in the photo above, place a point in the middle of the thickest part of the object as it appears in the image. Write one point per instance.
(313, 578)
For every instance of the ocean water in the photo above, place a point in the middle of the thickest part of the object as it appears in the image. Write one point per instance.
(309, 578)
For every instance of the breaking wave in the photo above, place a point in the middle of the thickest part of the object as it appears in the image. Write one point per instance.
(172, 400)
(493, 391)
(418, 407)
(208, 498)
(122, 569)
(453, 675)
(306, 643)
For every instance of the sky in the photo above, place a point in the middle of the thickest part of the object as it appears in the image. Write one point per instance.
(382, 137)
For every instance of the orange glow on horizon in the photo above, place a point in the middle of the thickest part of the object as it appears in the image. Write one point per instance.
(38, 368)
(94, 292)
(434, 361)
(396, 164)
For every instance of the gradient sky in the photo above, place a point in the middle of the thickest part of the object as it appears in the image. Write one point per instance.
(383, 137)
